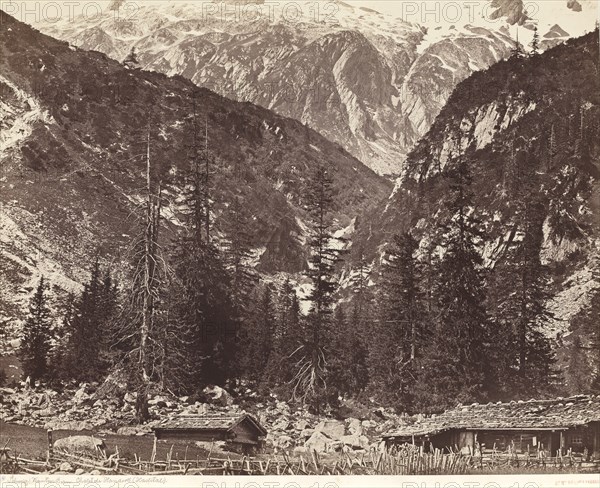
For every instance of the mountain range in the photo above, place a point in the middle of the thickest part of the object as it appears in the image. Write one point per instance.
(371, 82)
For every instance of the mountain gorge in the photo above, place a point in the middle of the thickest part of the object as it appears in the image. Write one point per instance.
(75, 129)
(529, 130)
(371, 82)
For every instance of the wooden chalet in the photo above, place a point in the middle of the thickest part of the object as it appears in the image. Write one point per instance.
(548, 427)
(240, 431)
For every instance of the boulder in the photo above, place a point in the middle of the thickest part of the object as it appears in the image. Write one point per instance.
(80, 443)
(95, 472)
(331, 428)
(355, 441)
(79, 471)
(127, 430)
(369, 424)
(318, 442)
(66, 468)
(284, 442)
(129, 397)
(280, 424)
(354, 426)
(218, 395)
(81, 395)
(306, 433)
(46, 412)
(301, 424)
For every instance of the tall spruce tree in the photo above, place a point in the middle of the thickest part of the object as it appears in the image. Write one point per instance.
(37, 335)
(287, 338)
(400, 334)
(310, 382)
(199, 307)
(454, 364)
(87, 333)
(525, 354)
(535, 42)
(258, 337)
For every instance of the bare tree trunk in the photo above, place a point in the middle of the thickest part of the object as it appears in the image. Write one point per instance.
(153, 208)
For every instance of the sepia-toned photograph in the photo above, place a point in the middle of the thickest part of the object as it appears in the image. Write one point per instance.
(325, 240)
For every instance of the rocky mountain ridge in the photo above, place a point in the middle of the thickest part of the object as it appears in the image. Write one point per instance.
(372, 83)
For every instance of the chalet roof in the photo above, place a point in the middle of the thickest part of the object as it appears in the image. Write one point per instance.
(559, 413)
(208, 422)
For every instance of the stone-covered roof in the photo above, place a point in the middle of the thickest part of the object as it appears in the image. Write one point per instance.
(559, 413)
(208, 422)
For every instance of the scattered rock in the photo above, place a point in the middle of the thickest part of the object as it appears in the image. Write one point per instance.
(81, 395)
(75, 425)
(355, 441)
(66, 467)
(135, 430)
(218, 395)
(331, 428)
(301, 424)
(95, 472)
(79, 471)
(281, 424)
(318, 442)
(306, 433)
(129, 397)
(46, 412)
(354, 426)
(284, 442)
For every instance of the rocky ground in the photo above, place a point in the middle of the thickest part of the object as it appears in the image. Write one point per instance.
(109, 409)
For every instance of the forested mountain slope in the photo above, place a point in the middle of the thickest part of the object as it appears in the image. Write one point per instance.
(73, 146)
(527, 129)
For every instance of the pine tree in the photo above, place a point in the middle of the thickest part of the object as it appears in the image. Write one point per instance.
(87, 332)
(400, 335)
(359, 329)
(535, 43)
(521, 290)
(517, 51)
(200, 307)
(552, 149)
(258, 338)
(36, 339)
(454, 365)
(287, 337)
(311, 378)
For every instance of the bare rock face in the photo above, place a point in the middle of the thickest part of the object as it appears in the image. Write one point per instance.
(80, 443)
